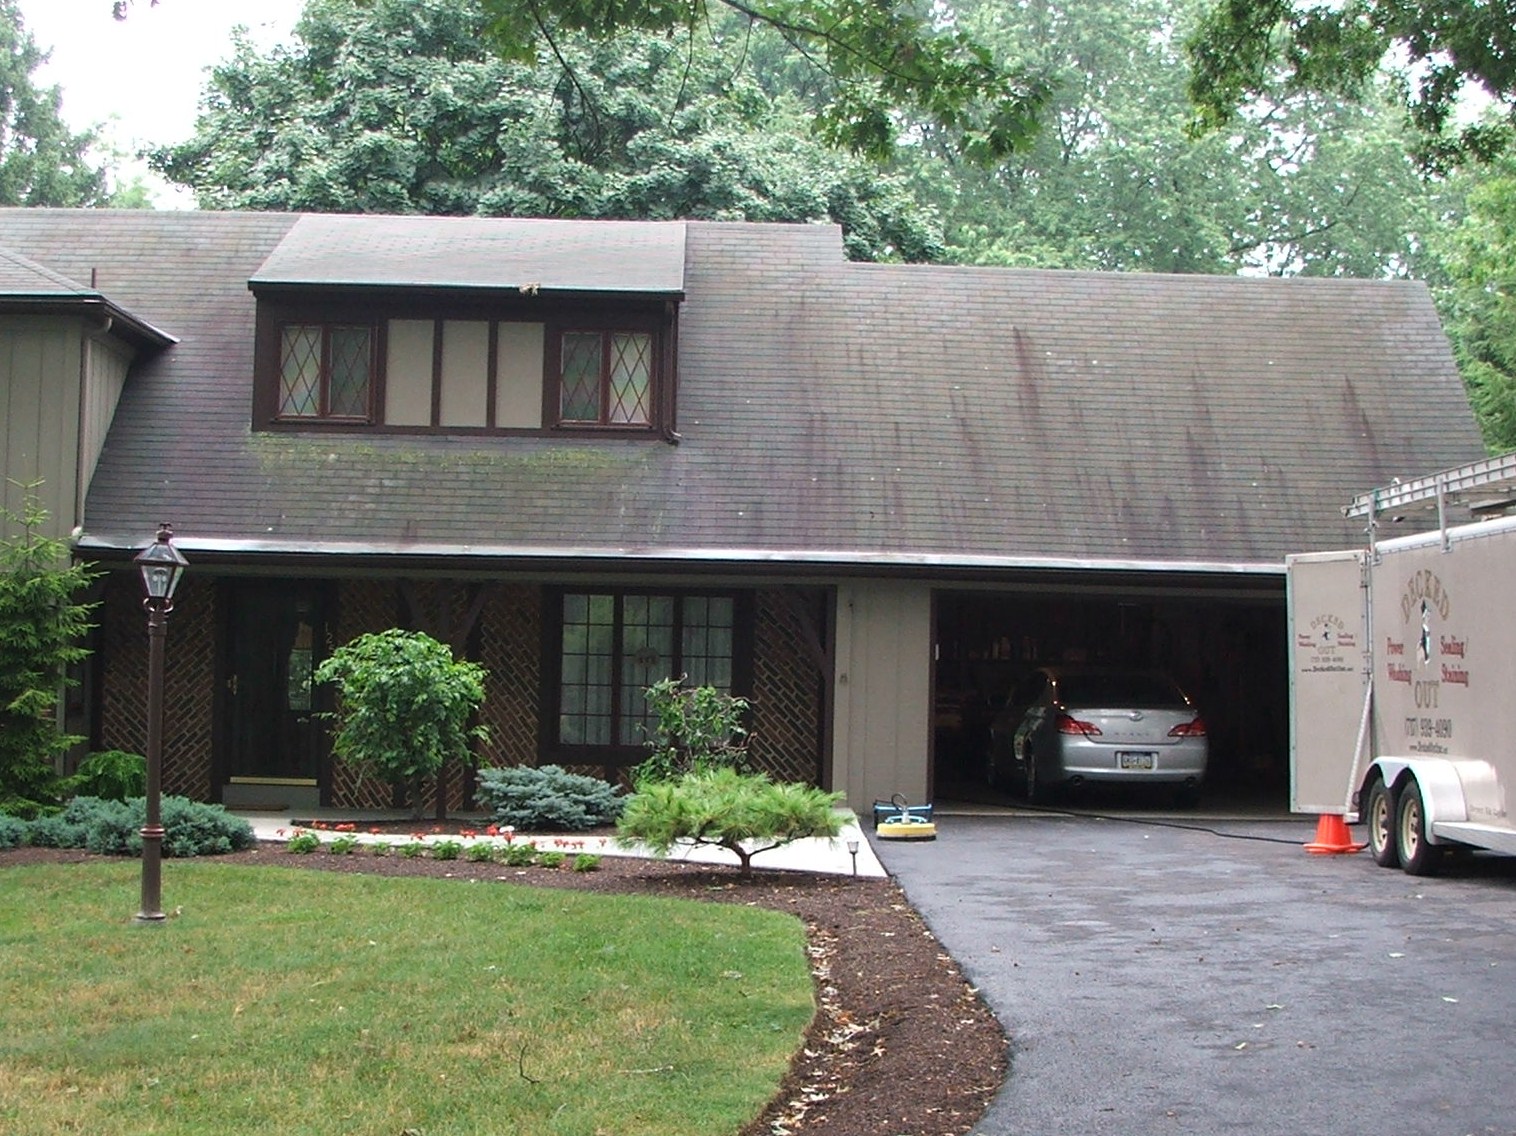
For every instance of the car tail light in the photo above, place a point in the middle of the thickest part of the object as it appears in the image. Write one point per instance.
(1070, 725)
(1194, 729)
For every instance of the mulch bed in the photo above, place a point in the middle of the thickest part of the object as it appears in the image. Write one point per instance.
(901, 1044)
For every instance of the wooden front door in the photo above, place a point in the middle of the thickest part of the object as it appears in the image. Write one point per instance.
(276, 638)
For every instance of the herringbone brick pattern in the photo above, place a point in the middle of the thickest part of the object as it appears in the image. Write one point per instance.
(363, 606)
(786, 729)
(509, 648)
(188, 679)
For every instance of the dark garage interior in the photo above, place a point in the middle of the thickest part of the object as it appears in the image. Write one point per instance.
(1226, 647)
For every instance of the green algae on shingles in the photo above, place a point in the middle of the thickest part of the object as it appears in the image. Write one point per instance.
(276, 451)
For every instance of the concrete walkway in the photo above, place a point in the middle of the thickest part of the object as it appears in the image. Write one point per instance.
(828, 857)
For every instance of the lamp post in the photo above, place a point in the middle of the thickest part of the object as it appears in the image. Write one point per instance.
(161, 565)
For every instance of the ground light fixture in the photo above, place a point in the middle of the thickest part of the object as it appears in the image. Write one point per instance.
(852, 850)
(161, 565)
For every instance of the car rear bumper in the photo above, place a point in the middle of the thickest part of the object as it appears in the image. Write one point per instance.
(1182, 764)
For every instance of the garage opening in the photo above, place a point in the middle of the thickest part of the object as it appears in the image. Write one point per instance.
(1227, 650)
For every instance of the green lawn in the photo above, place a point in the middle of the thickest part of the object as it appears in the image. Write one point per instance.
(306, 1003)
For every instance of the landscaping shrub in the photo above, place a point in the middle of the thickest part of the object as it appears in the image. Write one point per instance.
(66, 829)
(403, 706)
(112, 775)
(698, 728)
(745, 813)
(13, 832)
(546, 799)
(113, 828)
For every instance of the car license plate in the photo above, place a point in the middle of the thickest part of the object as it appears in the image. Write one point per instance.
(1127, 759)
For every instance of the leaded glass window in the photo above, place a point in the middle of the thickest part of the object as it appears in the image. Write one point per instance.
(325, 371)
(606, 378)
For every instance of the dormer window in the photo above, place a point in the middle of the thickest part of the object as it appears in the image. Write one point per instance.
(469, 325)
(418, 366)
(606, 378)
(326, 371)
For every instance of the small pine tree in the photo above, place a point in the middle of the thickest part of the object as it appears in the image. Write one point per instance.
(42, 627)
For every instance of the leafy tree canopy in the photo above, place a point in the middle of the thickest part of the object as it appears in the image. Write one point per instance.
(42, 162)
(1318, 185)
(1477, 298)
(400, 106)
(1246, 48)
(879, 56)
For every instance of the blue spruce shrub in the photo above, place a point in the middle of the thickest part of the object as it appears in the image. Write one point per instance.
(547, 798)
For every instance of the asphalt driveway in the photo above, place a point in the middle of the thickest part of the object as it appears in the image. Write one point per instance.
(1158, 979)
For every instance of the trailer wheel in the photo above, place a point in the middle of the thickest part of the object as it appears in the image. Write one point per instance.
(1379, 813)
(1418, 856)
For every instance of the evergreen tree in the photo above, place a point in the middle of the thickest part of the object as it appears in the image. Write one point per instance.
(42, 626)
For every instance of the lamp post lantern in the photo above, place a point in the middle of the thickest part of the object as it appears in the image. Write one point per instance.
(161, 565)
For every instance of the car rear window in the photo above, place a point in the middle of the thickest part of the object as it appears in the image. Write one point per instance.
(1118, 690)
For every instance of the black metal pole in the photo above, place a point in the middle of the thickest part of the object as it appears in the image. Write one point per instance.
(152, 829)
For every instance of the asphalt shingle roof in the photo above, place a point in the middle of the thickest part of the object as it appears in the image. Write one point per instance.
(478, 252)
(847, 412)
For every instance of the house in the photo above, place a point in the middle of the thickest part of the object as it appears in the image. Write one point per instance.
(592, 454)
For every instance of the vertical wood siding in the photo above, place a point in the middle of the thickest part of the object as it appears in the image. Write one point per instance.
(882, 720)
(39, 415)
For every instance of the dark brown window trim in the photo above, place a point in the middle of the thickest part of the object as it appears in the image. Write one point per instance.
(280, 307)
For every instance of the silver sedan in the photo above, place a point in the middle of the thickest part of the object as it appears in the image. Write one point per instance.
(1068, 726)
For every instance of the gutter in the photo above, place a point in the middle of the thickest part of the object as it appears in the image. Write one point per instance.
(479, 557)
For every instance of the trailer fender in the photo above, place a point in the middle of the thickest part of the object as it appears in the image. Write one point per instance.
(1443, 784)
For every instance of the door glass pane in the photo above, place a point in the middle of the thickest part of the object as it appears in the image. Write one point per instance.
(301, 662)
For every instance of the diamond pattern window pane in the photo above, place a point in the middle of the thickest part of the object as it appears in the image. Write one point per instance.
(580, 378)
(347, 391)
(631, 373)
(300, 371)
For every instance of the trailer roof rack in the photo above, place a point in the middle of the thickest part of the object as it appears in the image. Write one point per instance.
(1479, 485)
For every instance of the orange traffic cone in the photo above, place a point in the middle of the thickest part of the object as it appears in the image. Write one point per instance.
(1332, 837)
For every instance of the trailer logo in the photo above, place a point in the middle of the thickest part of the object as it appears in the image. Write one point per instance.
(1425, 590)
(1328, 640)
(1423, 602)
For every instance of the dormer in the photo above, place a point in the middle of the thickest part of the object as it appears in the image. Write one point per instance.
(467, 325)
(65, 352)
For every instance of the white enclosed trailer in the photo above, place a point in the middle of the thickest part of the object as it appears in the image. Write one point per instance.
(1403, 671)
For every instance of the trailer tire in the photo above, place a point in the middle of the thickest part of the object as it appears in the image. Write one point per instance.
(1379, 814)
(1418, 856)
